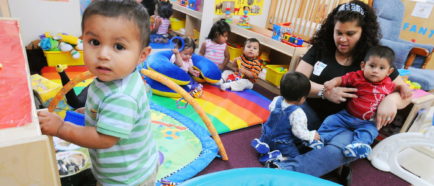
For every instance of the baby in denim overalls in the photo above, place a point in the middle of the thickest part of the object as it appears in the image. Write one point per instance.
(287, 121)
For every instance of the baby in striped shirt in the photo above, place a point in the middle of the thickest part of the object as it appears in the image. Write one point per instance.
(117, 113)
(247, 68)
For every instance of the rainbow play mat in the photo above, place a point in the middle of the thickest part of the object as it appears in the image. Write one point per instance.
(227, 110)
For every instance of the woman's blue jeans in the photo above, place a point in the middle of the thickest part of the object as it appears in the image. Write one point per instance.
(322, 161)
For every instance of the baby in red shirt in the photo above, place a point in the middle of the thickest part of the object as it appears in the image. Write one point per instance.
(373, 84)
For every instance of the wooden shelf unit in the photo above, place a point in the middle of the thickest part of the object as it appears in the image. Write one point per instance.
(201, 21)
(264, 37)
(280, 53)
(187, 11)
(192, 19)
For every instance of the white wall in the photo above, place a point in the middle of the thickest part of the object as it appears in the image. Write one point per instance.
(39, 16)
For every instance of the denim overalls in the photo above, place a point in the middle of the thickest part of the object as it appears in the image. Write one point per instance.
(276, 131)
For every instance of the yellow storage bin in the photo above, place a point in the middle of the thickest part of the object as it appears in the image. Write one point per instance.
(265, 56)
(275, 73)
(57, 57)
(176, 24)
(234, 52)
(196, 34)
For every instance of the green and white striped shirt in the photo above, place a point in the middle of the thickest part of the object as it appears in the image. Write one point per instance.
(120, 108)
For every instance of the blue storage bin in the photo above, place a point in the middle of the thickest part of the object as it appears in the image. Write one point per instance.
(75, 117)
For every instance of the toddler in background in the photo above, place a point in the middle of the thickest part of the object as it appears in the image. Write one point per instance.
(287, 121)
(214, 47)
(117, 113)
(183, 58)
(247, 68)
(162, 22)
(373, 84)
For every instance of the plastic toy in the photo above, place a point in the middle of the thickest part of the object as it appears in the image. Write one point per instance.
(65, 47)
(73, 40)
(49, 44)
(292, 40)
(244, 20)
(280, 29)
(192, 4)
(385, 154)
(233, 77)
(75, 117)
(404, 73)
(228, 15)
(257, 176)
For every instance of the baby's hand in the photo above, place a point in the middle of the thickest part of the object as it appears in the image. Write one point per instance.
(175, 51)
(317, 136)
(49, 122)
(80, 110)
(220, 66)
(193, 72)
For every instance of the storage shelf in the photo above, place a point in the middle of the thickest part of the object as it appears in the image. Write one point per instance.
(187, 11)
(264, 37)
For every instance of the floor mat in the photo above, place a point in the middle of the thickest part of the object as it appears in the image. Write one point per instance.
(227, 110)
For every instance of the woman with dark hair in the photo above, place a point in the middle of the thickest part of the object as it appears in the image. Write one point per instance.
(337, 48)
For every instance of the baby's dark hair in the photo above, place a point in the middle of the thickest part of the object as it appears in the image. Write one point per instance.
(323, 38)
(294, 86)
(188, 43)
(164, 9)
(128, 9)
(252, 40)
(219, 28)
(381, 52)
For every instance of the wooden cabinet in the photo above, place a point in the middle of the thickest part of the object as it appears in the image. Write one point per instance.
(26, 156)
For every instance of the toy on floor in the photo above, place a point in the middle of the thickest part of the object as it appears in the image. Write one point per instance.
(245, 20)
(385, 154)
(196, 91)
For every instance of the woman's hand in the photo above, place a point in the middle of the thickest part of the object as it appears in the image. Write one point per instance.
(386, 112)
(405, 91)
(340, 94)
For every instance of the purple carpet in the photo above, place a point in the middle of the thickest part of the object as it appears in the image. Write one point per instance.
(237, 144)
